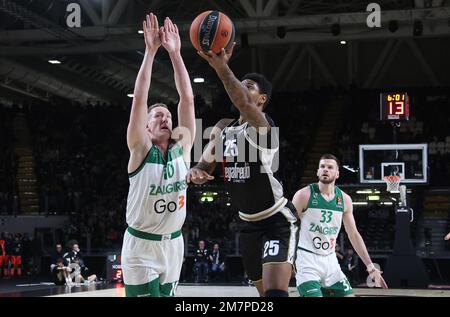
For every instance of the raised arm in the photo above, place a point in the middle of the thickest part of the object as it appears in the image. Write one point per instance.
(358, 243)
(137, 135)
(186, 115)
(238, 93)
(200, 173)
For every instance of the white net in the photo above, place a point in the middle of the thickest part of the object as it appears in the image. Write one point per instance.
(392, 183)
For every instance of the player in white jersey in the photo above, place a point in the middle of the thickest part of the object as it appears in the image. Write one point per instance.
(152, 251)
(322, 208)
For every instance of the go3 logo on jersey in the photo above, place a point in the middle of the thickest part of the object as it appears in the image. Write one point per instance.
(323, 245)
(161, 206)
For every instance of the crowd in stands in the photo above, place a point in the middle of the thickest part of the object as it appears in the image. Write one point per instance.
(82, 168)
(210, 221)
(377, 226)
(81, 157)
(69, 268)
(8, 188)
(20, 255)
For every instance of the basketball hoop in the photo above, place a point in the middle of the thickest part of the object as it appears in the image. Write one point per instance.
(393, 183)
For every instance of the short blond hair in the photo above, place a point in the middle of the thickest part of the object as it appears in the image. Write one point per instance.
(158, 104)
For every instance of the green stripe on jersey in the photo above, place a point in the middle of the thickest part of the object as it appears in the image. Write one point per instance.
(155, 156)
(151, 236)
(317, 201)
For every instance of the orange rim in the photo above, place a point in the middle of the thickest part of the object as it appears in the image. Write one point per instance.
(392, 178)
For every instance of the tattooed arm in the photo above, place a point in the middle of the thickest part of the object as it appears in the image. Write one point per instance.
(238, 92)
(200, 173)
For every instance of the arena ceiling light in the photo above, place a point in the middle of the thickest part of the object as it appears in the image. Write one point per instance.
(130, 95)
(368, 191)
(54, 61)
(343, 42)
(210, 194)
(199, 80)
(141, 32)
(351, 169)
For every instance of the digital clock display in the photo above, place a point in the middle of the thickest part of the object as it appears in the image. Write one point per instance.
(394, 106)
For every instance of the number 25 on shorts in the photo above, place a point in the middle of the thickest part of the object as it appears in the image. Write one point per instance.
(271, 248)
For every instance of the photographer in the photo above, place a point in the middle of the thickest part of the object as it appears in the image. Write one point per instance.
(201, 266)
(60, 273)
(217, 259)
(74, 260)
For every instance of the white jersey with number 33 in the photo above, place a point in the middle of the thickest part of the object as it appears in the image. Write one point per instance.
(321, 222)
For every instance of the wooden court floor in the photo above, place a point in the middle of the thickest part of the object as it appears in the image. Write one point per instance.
(249, 291)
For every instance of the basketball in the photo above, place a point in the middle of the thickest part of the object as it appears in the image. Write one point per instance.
(212, 30)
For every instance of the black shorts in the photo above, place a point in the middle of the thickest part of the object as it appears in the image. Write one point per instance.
(271, 240)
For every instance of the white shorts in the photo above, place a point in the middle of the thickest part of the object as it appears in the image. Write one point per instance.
(323, 268)
(145, 260)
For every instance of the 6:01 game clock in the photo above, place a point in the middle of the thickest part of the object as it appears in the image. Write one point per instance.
(394, 106)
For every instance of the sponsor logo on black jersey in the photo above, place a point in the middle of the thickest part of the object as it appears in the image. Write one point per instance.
(236, 172)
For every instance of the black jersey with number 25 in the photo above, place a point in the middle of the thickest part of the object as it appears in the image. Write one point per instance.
(249, 165)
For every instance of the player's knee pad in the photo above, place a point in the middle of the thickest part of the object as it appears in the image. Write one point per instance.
(275, 293)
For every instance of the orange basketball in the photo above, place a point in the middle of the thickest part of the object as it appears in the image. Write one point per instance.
(212, 30)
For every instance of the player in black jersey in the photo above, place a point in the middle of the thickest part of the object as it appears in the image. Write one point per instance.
(247, 148)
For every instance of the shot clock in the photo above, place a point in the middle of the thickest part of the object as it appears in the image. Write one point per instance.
(394, 106)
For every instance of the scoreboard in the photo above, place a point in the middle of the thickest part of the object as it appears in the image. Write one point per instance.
(394, 106)
(113, 268)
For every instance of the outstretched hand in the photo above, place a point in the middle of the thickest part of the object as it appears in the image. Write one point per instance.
(218, 61)
(151, 33)
(447, 237)
(375, 275)
(170, 36)
(198, 176)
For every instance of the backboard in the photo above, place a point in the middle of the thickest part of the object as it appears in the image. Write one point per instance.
(409, 161)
